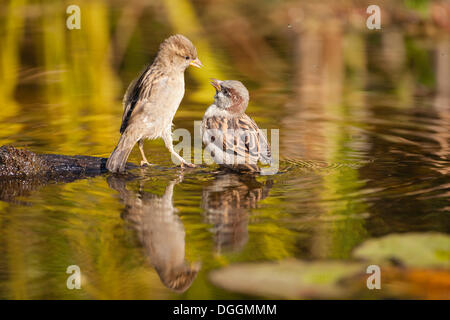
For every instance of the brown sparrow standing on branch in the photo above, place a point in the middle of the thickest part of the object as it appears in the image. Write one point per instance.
(232, 138)
(151, 101)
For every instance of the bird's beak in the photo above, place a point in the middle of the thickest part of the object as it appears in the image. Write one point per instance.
(196, 63)
(216, 84)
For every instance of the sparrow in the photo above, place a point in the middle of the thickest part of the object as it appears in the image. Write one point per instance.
(231, 137)
(152, 100)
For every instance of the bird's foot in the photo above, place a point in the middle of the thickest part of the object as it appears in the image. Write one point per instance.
(187, 164)
(145, 163)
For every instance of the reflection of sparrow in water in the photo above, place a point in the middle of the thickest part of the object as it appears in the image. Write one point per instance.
(231, 137)
(226, 202)
(160, 231)
(151, 101)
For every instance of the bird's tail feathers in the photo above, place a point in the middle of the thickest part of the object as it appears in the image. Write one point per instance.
(118, 158)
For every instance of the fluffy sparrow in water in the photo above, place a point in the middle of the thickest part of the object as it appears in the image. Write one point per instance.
(151, 101)
(231, 137)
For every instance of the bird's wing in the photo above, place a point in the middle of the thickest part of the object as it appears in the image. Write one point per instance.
(233, 141)
(265, 154)
(255, 141)
(128, 103)
(140, 92)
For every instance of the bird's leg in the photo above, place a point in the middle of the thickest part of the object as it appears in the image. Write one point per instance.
(141, 148)
(167, 137)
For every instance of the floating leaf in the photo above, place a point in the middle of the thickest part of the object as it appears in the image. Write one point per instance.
(410, 249)
(417, 283)
(289, 279)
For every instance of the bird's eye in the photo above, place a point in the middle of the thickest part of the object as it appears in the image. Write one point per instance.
(225, 90)
(187, 57)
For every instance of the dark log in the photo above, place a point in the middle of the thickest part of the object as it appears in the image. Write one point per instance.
(22, 171)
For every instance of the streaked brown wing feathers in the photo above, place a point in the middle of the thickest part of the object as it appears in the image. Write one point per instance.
(239, 140)
(139, 92)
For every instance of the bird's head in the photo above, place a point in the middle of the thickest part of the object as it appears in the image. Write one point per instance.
(231, 95)
(178, 52)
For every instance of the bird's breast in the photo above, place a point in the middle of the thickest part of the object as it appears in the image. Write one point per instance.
(167, 101)
(174, 94)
